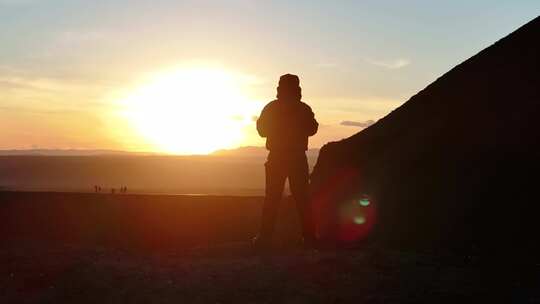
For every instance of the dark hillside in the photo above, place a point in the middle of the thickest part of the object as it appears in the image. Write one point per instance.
(456, 166)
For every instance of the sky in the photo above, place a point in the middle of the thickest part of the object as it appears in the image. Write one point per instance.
(191, 76)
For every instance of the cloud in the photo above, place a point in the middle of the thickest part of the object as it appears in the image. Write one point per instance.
(78, 37)
(35, 111)
(16, 2)
(326, 65)
(392, 65)
(42, 95)
(48, 84)
(361, 124)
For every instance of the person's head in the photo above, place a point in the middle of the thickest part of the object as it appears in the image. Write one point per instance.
(289, 88)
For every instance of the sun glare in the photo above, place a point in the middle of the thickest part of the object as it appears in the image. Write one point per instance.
(191, 111)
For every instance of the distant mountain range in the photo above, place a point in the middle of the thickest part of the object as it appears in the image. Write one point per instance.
(251, 151)
(69, 152)
(232, 172)
(247, 151)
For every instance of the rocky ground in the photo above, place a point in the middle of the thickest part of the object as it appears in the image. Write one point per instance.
(86, 248)
(230, 273)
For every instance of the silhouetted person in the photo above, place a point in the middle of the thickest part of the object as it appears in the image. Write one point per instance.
(286, 123)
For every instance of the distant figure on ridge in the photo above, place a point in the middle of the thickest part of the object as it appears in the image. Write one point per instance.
(286, 122)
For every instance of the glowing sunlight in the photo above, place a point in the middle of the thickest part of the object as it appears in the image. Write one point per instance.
(191, 111)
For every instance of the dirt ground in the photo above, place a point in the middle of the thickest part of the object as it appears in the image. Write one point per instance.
(47, 260)
(230, 273)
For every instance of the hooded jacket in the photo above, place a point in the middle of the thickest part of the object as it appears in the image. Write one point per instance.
(287, 124)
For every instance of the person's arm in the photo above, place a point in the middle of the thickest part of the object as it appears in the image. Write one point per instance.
(313, 125)
(262, 123)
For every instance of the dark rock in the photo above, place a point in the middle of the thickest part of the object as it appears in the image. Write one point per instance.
(456, 166)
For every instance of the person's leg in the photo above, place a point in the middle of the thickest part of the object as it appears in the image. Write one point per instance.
(299, 183)
(275, 182)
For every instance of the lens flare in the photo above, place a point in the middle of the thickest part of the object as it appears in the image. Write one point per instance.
(364, 202)
(359, 220)
(344, 220)
(355, 221)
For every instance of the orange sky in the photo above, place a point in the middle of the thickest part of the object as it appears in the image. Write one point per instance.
(189, 77)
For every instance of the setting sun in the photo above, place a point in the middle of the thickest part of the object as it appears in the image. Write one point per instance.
(191, 111)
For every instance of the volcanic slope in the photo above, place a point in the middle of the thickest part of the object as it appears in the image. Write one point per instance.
(455, 166)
